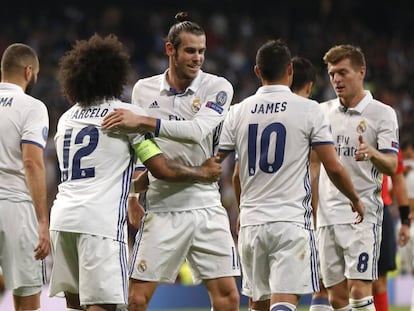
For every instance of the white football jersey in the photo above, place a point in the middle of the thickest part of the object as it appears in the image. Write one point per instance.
(272, 132)
(23, 119)
(377, 123)
(200, 110)
(96, 168)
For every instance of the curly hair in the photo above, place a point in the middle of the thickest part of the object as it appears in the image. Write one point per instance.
(94, 69)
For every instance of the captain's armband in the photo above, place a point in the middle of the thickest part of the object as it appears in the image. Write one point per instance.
(147, 149)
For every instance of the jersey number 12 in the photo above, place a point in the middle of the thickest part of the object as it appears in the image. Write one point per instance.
(73, 165)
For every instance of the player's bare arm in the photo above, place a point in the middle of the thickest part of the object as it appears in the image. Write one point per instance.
(386, 163)
(340, 177)
(129, 121)
(170, 170)
(35, 173)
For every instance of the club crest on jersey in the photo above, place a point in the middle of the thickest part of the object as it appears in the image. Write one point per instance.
(196, 105)
(142, 266)
(362, 127)
(221, 98)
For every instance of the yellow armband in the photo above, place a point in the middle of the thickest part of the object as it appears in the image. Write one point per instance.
(147, 149)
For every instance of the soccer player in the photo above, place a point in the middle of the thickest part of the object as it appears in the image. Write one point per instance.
(388, 249)
(365, 132)
(187, 107)
(24, 220)
(273, 131)
(304, 78)
(88, 218)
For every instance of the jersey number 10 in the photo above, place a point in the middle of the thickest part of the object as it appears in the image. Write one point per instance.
(264, 141)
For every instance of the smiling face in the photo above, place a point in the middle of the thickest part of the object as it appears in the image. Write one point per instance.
(186, 60)
(347, 81)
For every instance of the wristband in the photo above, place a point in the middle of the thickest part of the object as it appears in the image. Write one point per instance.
(133, 195)
(405, 215)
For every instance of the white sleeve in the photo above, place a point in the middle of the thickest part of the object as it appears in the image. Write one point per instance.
(227, 138)
(211, 114)
(36, 125)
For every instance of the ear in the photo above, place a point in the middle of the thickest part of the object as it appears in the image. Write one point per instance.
(169, 48)
(290, 69)
(362, 71)
(28, 72)
(257, 71)
(309, 87)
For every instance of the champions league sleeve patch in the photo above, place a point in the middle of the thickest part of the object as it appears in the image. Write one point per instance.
(221, 98)
(215, 107)
(395, 145)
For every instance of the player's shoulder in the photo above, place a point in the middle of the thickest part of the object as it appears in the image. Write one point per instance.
(213, 79)
(152, 80)
(118, 104)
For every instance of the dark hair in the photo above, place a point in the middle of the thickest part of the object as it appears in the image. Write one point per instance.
(303, 73)
(182, 25)
(17, 56)
(340, 52)
(94, 69)
(272, 58)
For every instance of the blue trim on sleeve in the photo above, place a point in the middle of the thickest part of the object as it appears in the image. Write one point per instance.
(23, 141)
(388, 151)
(318, 143)
(226, 151)
(157, 128)
(140, 168)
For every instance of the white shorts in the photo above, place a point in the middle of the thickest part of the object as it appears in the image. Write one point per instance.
(18, 239)
(278, 257)
(406, 253)
(201, 236)
(349, 251)
(92, 266)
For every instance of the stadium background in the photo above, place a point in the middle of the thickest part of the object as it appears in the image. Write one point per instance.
(234, 31)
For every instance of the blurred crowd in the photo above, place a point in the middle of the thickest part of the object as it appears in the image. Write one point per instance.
(234, 31)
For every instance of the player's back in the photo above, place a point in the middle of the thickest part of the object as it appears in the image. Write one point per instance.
(96, 167)
(22, 119)
(273, 132)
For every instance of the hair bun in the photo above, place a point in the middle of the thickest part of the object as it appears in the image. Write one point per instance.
(181, 16)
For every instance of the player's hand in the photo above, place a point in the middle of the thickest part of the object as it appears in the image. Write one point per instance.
(121, 119)
(403, 235)
(135, 212)
(212, 169)
(359, 207)
(363, 151)
(43, 247)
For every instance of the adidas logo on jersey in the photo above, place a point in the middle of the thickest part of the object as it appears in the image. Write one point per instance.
(154, 105)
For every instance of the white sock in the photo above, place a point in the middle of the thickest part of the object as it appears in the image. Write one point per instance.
(70, 309)
(363, 304)
(412, 300)
(320, 308)
(320, 304)
(347, 308)
(282, 306)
